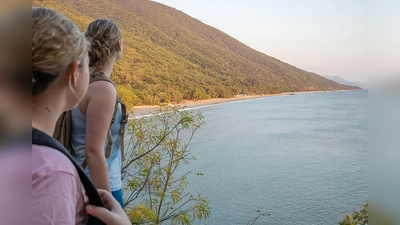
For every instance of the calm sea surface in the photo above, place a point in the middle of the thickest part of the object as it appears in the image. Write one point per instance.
(302, 158)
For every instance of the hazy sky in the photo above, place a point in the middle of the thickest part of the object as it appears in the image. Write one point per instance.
(354, 39)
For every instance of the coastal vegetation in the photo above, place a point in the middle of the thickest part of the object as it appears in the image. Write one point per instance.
(379, 215)
(154, 187)
(170, 56)
(357, 218)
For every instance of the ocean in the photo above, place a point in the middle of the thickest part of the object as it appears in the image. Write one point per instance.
(301, 158)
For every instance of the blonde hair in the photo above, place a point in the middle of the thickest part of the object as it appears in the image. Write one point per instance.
(103, 36)
(56, 43)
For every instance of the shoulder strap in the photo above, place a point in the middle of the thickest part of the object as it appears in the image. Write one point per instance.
(40, 138)
(101, 77)
(98, 76)
(124, 120)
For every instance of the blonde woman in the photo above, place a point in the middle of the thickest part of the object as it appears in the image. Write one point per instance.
(91, 119)
(60, 77)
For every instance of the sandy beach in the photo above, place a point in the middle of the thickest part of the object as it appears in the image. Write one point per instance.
(149, 109)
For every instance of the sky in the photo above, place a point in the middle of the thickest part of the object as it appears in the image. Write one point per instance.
(358, 40)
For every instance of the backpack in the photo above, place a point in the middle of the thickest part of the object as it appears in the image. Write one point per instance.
(40, 138)
(62, 130)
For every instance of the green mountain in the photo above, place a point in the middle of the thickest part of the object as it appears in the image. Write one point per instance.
(170, 56)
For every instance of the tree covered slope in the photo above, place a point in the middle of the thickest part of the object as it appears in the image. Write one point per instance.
(170, 56)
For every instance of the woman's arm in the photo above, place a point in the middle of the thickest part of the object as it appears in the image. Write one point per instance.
(99, 112)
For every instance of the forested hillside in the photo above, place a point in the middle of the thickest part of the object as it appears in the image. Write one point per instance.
(170, 56)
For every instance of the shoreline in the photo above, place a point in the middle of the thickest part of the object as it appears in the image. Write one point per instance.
(150, 109)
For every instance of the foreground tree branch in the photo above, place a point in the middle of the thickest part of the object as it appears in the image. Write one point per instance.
(157, 147)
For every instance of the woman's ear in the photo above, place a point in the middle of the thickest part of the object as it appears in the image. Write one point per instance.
(118, 49)
(73, 73)
(119, 45)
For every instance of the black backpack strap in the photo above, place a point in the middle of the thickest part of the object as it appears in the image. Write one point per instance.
(40, 138)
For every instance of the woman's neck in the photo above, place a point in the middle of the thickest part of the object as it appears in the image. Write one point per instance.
(45, 113)
(107, 69)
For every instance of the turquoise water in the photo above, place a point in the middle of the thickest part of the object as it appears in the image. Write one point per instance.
(302, 158)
